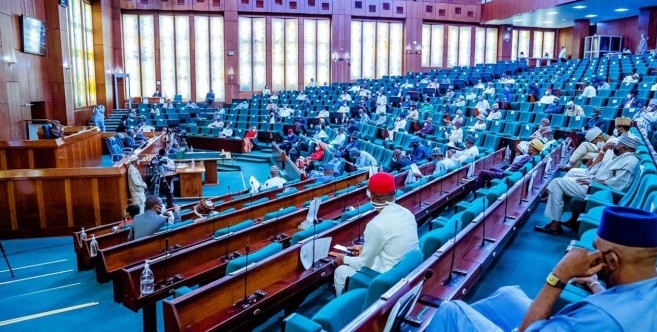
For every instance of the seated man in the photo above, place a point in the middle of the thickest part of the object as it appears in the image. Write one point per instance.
(131, 211)
(191, 104)
(595, 121)
(471, 150)
(129, 140)
(545, 123)
(427, 129)
(381, 120)
(631, 101)
(456, 136)
(275, 180)
(482, 105)
(574, 110)
(399, 161)
(480, 124)
(388, 237)
(289, 141)
(486, 175)
(586, 150)
(285, 111)
(589, 91)
(634, 78)
(227, 131)
(326, 176)
(548, 98)
(217, 123)
(490, 89)
(617, 174)
(56, 130)
(339, 139)
(495, 113)
(624, 259)
(362, 159)
(647, 118)
(441, 163)
(419, 150)
(154, 217)
(555, 107)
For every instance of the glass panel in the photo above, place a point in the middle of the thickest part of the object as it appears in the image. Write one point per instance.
(369, 50)
(278, 54)
(523, 42)
(382, 44)
(437, 39)
(514, 46)
(356, 49)
(147, 46)
(167, 59)
(465, 39)
(89, 44)
(426, 45)
(309, 49)
(259, 54)
(491, 45)
(538, 44)
(323, 52)
(131, 52)
(548, 44)
(182, 57)
(77, 55)
(453, 46)
(201, 56)
(396, 48)
(244, 46)
(480, 45)
(217, 58)
(292, 54)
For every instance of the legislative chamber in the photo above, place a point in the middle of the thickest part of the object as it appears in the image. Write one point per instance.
(328, 165)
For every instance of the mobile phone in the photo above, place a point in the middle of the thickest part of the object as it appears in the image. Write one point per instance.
(431, 300)
(413, 320)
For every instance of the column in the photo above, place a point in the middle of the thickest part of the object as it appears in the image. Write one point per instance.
(647, 24)
(505, 42)
(231, 47)
(59, 62)
(341, 43)
(104, 39)
(412, 33)
(580, 31)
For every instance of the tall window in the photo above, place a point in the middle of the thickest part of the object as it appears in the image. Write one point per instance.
(376, 49)
(485, 45)
(285, 53)
(209, 56)
(432, 45)
(175, 56)
(252, 53)
(82, 53)
(538, 44)
(316, 51)
(520, 43)
(139, 53)
(548, 43)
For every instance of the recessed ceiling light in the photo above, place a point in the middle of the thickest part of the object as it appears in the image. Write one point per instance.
(592, 15)
(547, 22)
(579, 7)
(621, 10)
(563, 20)
(552, 13)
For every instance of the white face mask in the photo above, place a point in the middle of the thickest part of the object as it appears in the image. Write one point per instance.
(628, 96)
(615, 132)
(599, 145)
(547, 93)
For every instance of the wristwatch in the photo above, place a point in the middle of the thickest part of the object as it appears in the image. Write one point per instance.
(554, 281)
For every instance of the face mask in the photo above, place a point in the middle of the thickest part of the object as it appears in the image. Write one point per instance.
(599, 145)
(547, 93)
(628, 96)
(617, 151)
(615, 132)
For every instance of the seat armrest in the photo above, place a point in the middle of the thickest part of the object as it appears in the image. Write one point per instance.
(439, 222)
(298, 323)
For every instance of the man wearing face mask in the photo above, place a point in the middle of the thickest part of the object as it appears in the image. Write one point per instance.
(631, 101)
(617, 174)
(388, 236)
(647, 118)
(586, 150)
(548, 98)
(624, 259)
(154, 217)
(399, 161)
(574, 110)
(533, 91)
(555, 107)
(136, 183)
(419, 150)
(595, 121)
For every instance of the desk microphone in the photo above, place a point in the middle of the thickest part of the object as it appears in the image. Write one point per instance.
(245, 302)
(451, 265)
(360, 240)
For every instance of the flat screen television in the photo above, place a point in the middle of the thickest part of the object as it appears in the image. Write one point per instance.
(33, 33)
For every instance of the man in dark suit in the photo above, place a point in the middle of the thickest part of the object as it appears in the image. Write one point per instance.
(148, 223)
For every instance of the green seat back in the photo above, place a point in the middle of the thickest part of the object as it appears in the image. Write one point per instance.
(254, 257)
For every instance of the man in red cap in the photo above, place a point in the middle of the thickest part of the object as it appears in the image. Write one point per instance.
(289, 141)
(388, 237)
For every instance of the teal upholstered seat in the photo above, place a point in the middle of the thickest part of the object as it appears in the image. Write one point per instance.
(225, 212)
(306, 233)
(280, 213)
(416, 184)
(338, 313)
(256, 202)
(254, 257)
(356, 211)
(321, 199)
(345, 190)
(176, 225)
(234, 228)
(433, 240)
(287, 192)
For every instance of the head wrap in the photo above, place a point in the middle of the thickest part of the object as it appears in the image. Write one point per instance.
(592, 133)
(381, 183)
(570, 103)
(415, 139)
(628, 227)
(481, 117)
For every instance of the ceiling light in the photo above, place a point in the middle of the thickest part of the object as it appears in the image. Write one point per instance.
(547, 22)
(552, 13)
(592, 15)
(621, 10)
(579, 7)
(563, 20)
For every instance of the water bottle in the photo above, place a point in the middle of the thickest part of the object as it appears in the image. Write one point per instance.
(82, 237)
(93, 246)
(191, 148)
(147, 280)
(193, 164)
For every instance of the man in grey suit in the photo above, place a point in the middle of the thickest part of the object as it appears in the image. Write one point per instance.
(147, 223)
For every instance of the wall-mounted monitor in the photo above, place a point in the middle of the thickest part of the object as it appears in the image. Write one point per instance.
(33, 33)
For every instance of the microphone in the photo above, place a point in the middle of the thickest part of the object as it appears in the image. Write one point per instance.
(450, 277)
(360, 240)
(314, 238)
(229, 190)
(245, 303)
(277, 237)
(344, 200)
(166, 256)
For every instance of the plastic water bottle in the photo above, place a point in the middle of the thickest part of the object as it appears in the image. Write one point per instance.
(191, 148)
(82, 237)
(147, 280)
(193, 164)
(93, 246)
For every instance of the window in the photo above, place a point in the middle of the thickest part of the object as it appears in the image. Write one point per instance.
(465, 45)
(139, 53)
(175, 56)
(376, 49)
(537, 52)
(82, 54)
(432, 45)
(285, 54)
(491, 45)
(316, 51)
(548, 43)
(252, 54)
(485, 45)
(209, 56)
(520, 43)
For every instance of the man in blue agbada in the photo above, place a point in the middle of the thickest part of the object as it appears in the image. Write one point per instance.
(624, 259)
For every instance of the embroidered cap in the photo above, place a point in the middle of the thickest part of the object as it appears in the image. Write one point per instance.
(629, 140)
(628, 227)
(592, 133)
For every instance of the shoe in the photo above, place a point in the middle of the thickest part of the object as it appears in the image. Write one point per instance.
(544, 229)
(543, 199)
(570, 224)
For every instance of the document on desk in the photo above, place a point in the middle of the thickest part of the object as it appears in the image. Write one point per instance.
(321, 247)
(312, 213)
(181, 165)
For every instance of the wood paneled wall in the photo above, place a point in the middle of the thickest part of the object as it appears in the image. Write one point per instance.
(625, 27)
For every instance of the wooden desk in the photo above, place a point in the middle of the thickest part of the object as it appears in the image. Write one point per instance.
(81, 147)
(191, 182)
(150, 100)
(210, 165)
(233, 145)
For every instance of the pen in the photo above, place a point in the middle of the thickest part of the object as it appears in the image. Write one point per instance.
(419, 316)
